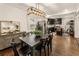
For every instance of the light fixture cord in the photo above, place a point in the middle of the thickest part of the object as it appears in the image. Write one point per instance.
(37, 5)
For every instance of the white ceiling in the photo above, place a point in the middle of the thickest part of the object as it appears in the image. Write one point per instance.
(49, 8)
(56, 8)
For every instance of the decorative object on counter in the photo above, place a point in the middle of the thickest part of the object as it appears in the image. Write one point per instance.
(37, 33)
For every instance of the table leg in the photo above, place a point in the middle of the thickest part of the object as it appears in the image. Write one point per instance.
(21, 43)
(48, 50)
(51, 45)
(31, 51)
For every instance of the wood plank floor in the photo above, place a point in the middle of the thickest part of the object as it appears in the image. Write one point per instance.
(62, 46)
(65, 46)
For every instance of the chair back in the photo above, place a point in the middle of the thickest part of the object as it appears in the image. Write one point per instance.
(13, 46)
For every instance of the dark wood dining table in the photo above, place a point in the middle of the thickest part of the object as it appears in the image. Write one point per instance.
(32, 41)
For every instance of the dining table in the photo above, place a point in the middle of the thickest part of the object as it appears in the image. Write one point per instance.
(32, 41)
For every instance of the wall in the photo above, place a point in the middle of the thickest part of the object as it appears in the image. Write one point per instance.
(33, 19)
(9, 13)
(77, 26)
(75, 17)
(66, 19)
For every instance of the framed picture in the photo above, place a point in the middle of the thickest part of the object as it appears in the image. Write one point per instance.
(9, 27)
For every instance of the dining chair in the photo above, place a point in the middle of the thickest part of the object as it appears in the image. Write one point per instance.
(49, 43)
(14, 48)
(25, 50)
(42, 46)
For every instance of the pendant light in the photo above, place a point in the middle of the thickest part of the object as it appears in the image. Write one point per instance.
(35, 10)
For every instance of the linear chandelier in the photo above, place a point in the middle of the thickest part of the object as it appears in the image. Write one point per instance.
(36, 11)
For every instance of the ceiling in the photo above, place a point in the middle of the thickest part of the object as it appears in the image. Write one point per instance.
(57, 8)
(48, 8)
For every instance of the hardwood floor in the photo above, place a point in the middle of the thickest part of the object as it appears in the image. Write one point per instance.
(65, 46)
(62, 46)
(7, 52)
